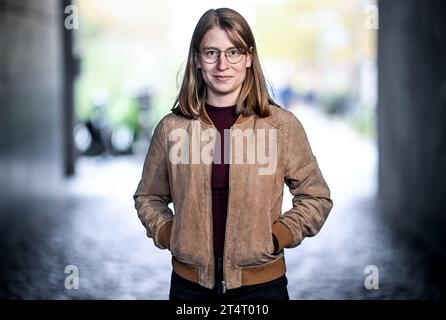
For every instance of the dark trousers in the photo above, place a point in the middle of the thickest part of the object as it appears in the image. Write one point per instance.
(182, 289)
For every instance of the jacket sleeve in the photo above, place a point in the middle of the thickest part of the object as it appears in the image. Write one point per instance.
(311, 194)
(153, 193)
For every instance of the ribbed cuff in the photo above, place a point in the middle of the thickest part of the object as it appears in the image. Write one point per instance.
(164, 234)
(283, 235)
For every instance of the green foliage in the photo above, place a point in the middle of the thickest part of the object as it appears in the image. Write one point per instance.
(124, 111)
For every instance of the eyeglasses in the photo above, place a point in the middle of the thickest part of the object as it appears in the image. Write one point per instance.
(211, 55)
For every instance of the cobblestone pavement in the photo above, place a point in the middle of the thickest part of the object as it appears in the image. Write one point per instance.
(92, 225)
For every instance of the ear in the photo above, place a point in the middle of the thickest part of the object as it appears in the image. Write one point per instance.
(197, 61)
(249, 58)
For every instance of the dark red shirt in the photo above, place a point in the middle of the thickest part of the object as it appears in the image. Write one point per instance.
(223, 118)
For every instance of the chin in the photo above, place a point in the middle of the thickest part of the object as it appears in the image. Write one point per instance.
(225, 86)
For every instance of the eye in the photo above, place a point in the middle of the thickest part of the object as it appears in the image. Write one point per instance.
(234, 52)
(211, 53)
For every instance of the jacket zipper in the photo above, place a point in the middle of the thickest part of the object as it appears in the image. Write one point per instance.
(229, 207)
(211, 220)
(223, 283)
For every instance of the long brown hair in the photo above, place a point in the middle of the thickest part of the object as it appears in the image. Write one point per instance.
(253, 96)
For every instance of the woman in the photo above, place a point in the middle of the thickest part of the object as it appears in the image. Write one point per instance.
(222, 157)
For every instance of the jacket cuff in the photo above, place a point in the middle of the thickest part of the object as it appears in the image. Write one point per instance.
(283, 235)
(164, 234)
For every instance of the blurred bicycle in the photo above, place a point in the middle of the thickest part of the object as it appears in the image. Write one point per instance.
(100, 135)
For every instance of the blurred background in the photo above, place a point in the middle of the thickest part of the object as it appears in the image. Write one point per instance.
(84, 82)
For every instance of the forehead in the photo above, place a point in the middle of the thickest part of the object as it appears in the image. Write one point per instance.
(216, 37)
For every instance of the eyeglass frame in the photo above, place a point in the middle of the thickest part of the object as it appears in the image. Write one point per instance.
(243, 50)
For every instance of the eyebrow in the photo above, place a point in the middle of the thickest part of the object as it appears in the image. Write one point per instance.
(215, 48)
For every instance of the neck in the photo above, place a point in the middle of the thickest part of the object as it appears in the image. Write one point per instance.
(222, 100)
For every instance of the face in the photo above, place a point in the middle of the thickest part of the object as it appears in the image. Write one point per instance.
(223, 79)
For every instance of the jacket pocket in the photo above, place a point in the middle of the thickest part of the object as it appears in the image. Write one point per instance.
(172, 233)
(270, 248)
(273, 237)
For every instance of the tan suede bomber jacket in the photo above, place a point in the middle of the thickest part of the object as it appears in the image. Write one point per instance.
(265, 154)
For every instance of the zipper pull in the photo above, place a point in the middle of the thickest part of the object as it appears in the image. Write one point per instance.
(223, 284)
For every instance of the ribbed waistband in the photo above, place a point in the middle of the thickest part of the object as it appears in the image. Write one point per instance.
(250, 275)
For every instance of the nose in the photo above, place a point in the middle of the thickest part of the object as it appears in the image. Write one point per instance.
(222, 62)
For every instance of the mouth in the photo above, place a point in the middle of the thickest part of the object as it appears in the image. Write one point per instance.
(222, 78)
